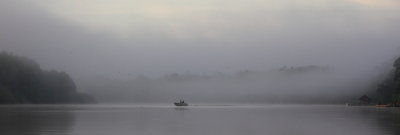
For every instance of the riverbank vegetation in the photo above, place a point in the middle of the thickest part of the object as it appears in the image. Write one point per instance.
(22, 81)
(388, 91)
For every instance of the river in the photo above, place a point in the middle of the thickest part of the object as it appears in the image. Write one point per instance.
(198, 120)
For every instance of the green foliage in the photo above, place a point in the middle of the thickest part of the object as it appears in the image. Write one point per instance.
(22, 81)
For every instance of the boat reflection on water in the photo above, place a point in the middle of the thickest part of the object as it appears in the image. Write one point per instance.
(181, 108)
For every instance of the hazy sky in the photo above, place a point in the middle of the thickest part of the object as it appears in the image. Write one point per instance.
(125, 38)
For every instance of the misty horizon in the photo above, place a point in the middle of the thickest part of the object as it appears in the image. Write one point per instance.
(74, 36)
(199, 67)
(115, 43)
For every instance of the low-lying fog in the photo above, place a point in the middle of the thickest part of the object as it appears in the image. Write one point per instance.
(311, 84)
(209, 50)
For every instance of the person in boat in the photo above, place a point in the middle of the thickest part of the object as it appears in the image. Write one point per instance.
(181, 101)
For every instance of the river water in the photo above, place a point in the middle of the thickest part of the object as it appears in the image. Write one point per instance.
(198, 120)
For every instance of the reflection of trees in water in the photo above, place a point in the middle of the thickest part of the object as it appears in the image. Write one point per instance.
(23, 121)
(388, 119)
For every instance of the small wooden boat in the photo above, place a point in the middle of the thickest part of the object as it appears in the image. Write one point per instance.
(181, 103)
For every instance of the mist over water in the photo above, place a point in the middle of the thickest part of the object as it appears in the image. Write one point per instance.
(106, 46)
(245, 67)
(310, 84)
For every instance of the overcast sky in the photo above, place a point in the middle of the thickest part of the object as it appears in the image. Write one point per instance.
(125, 38)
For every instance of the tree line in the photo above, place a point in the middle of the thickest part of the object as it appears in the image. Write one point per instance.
(22, 81)
(388, 91)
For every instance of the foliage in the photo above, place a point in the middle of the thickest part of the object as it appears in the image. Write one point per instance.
(388, 91)
(23, 81)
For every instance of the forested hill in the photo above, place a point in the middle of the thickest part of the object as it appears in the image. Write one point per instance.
(388, 91)
(22, 81)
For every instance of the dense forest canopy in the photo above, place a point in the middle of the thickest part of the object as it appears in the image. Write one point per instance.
(23, 81)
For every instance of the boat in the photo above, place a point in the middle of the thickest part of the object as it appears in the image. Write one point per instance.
(181, 103)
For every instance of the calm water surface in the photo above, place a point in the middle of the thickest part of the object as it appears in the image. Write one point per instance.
(198, 120)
